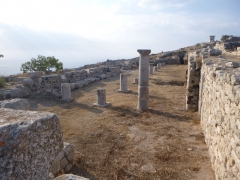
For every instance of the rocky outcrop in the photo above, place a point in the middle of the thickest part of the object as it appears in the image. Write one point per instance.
(29, 142)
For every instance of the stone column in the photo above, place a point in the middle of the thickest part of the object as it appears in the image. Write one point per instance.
(155, 68)
(159, 65)
(211, 38)
(150, 68)
(101, 95)
(143, 79)
(135, 81)
(66, 92)
(123, 83)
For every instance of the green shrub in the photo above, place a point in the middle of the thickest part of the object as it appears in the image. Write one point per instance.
(2, 82)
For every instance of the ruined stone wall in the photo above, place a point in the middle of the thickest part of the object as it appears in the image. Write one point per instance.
(50, 85)
(228, 48)
(193, 78)
(219, 109)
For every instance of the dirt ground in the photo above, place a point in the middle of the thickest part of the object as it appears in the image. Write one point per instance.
(118, 142)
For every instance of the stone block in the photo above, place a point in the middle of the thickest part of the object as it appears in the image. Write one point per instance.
(55, 168)
(19, 92)
(69, 151)
(27, 82)
(68, 168)
(36, 74)
(70, 177)
(232, 64)
(29, 142)
(68, 74)
(37, 81)
(63, 163)
(17, 104)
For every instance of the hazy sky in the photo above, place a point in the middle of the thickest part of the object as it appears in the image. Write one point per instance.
(79, 32)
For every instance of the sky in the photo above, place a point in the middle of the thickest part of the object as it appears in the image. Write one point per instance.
(79, 32)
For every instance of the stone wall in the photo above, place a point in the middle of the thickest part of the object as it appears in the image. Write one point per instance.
(50, 85)
(193, 78)
(228, 48)
(220, 111)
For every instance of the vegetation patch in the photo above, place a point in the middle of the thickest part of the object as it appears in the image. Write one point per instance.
(2, 81)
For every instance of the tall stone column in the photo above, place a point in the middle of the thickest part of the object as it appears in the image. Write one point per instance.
(101, 101)
(66, 92)
(143, 79)
(123, 83)
(150, 68)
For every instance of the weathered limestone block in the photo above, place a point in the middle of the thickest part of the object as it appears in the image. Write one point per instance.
(17, 104)
(70, 177)
(68, 74)
(215, 52)
(36, 74)
(64, 160)
(102, 76)
(101, 101)
(37, 81)
(19, 92)
(29, 141)
(27, 82)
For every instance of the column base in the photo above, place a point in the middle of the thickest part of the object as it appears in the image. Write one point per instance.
(99, 105)
(126, 91)
(66, 100)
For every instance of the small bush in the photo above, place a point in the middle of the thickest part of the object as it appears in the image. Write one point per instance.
(2, 82)
(224, 37)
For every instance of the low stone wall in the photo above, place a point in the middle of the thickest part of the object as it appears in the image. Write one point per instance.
(219, 110)
(29, 142)
(50, 85)
(228, 48)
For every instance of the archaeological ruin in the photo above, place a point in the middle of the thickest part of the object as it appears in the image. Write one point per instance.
(31, 142)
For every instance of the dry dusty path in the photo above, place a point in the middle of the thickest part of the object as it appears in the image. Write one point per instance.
(118, 142)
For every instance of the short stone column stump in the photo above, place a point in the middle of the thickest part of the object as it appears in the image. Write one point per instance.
(66, 92)
(150, 68)
(159, 65)
(101, 101)
(123, 83)
(155, 68)
(135, 81)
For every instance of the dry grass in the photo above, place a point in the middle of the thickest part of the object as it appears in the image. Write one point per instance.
(118, 142)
